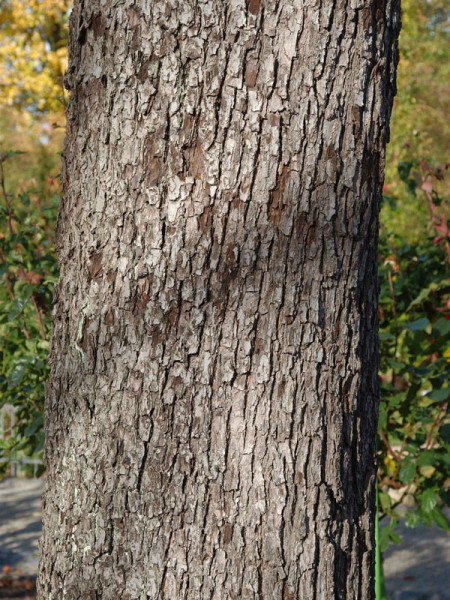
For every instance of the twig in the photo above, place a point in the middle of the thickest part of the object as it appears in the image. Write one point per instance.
(389, 447)
(396, 325)
(39, 316)
(394, 484)
(36, 307)
(442, 408)
(5, 196)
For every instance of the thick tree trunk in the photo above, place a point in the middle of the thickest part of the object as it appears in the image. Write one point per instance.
(212, 406)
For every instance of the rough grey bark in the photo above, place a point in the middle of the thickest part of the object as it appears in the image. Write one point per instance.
(212, 406)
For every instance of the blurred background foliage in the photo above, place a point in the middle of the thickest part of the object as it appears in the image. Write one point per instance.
(419, 125)
(33, 59)
(33, 53)
(414, 428)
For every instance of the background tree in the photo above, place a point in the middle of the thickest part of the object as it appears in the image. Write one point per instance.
(33, 58)
(33, 53)
(212, 406)
(420, 129)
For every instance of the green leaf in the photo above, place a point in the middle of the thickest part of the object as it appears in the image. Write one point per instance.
(425, 518)
(427, 457)
(25, 199)
(407, 472)
(388, 534)
(34, 426)
(385, 501)
(404, 168)
(440, 519)
(384, 538)
(382, 418)
(396, 400)
(12, 153)
(412, 392)
(442, 326)
(51, 280)
(394, 537)
(428, 500)
(423, 294)
(411, 186)
(40, 470)
(412, 519)
(16, 308)
(390, 201)
(439, 395)
(43, 344)
(444, 432)
(445, 458)
(411, 447)
(418, 325)
(16, 376)
(17, 305)
(386, 336)
(445, 495)
(397, 366)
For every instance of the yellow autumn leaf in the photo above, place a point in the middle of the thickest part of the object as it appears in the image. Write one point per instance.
(389, 464)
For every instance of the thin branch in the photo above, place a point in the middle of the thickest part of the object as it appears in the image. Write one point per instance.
(36, 307)
(5, 196)
(39, 316)
(442, 409)
(389, 447)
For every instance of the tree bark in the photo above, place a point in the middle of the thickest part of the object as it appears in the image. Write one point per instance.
(212, 407)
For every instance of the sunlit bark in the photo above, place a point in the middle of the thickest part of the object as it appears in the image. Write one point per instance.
(212, 406)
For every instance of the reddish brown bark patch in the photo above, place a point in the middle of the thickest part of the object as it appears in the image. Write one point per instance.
(95, 266)
(133, 18)
(172, 316)
(227, 531)
(109, 317)
(205, 219)
(188, 128)
(141, 303)
(143, 71)
(196, 161)
(154, 163)
(254, 6)
(276, 201)
(98, 25)
(251, 73)
(142, 297)
(84, 342)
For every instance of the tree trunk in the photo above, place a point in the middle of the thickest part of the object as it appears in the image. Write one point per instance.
(212, 407)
